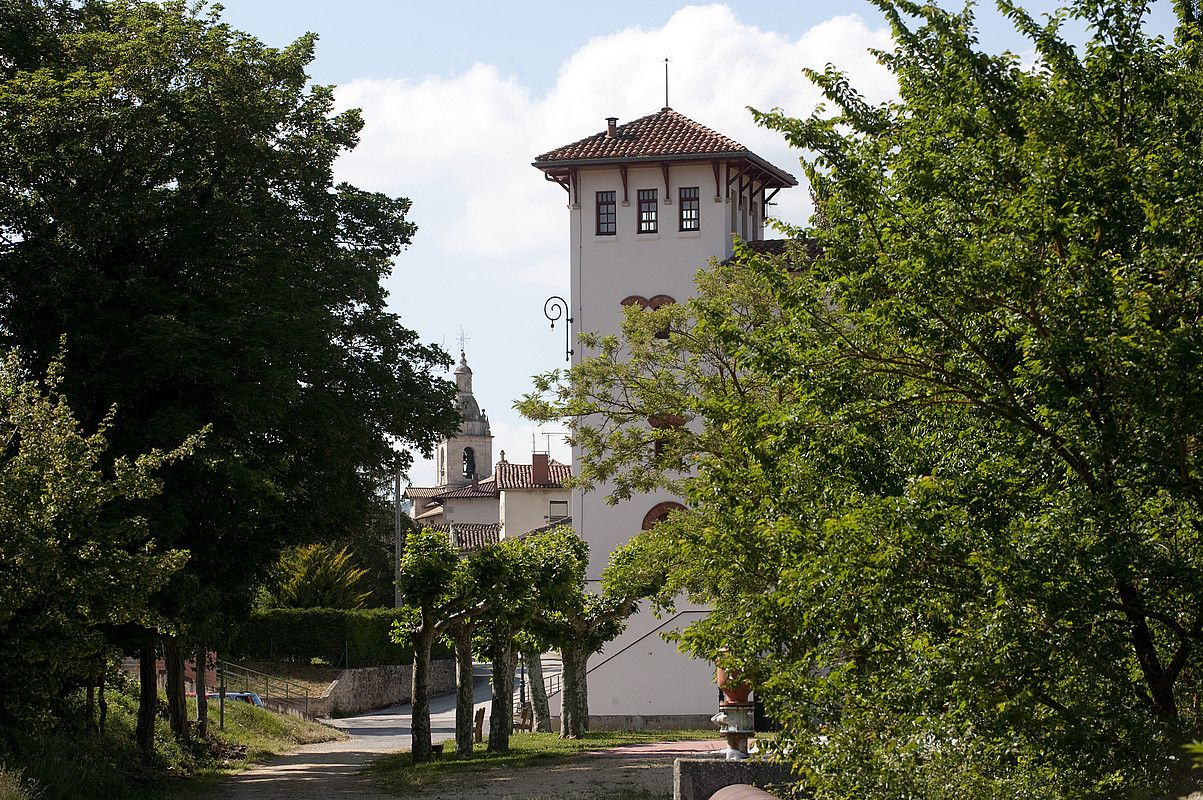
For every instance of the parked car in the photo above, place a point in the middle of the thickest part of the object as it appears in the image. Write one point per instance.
(245, 697)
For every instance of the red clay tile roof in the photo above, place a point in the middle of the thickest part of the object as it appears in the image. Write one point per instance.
(424, 491)
(469, 491)
(470, 535)
(663, 136)
(518, 476)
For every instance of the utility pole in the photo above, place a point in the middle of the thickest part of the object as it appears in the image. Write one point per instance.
(398, 544)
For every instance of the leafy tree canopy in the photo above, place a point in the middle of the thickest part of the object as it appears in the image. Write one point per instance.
(167, 202)
(70, 568)
(946, 500)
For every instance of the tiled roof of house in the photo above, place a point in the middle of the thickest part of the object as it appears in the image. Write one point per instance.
(665, 135)
(424, 491)
(518, 476)
(467, 492)
(794, 250)
(470, 535)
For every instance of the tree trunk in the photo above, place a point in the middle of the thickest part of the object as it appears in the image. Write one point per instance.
(463, 690)
(91, 706)
(538, 690)
(574, 711)
(582, 688)
(501, 719)
(103, 703)
(177, 705)
(420, 718)
(202, 700)
(148, 698)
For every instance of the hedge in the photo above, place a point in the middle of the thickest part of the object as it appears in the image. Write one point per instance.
(344, 638)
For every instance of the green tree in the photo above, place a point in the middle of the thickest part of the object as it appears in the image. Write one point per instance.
(579, 622)
(317, 576)
(166, 200)
(73, 564)
(946, 502)
(440, 590)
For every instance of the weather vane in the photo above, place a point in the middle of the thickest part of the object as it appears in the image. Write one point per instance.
(463, 339)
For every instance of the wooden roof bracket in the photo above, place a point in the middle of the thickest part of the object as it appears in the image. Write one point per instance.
(575, 177)
(738, 176)
(718, 188)
(668, 198)
(768, 198)
(560, 180)
(622, 171)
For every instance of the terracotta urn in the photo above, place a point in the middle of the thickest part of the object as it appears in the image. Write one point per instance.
(734, 689)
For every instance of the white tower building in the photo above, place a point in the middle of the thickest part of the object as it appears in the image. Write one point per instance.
(650, 203)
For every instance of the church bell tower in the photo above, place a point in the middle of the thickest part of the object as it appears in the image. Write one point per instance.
(467, 456)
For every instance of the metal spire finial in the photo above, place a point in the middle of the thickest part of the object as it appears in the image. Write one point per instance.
(666, 106)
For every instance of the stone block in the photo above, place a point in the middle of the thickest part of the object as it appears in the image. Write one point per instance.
(699, 778)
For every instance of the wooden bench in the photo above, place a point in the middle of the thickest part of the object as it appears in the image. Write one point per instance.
(525, 719)
(478, 725)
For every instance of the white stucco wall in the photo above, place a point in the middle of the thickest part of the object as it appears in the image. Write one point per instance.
(471, 510)
(648, 675)
(524, 510)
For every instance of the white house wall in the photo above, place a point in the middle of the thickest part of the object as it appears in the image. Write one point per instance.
(469, 511)
(524, 510)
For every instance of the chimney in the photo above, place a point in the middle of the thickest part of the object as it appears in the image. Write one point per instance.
(540, 473)
(611, 127)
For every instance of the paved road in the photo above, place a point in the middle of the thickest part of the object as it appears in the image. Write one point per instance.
(332, 769)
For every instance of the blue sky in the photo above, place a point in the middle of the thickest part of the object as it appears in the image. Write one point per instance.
(458, 98)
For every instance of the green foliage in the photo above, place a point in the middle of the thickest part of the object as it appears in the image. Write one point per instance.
(168, 205)
(340, 637)
(73, 563)
(14, 786)
(63, 763)
(315, 576)
(947, 497)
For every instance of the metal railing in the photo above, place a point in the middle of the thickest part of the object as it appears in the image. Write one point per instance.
(235, 678)
(555, 679)
(553, 683)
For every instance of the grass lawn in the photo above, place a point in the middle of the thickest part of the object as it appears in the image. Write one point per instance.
(399, 774)
(66, 764)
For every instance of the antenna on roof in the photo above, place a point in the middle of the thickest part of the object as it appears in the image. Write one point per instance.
(666, 106)
(550, 434)
(463, 338)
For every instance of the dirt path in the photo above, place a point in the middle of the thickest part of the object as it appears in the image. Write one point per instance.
(334, 769)
(621, 771)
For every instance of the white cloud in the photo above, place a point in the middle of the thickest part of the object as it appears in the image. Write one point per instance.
(492, 240)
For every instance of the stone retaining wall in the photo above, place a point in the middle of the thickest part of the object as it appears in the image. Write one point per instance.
(372, 688)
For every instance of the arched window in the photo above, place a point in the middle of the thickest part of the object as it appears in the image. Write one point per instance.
(659, 512)
(469, 462)
(634, 300)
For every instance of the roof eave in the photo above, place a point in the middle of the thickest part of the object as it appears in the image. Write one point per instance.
(786, 179)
